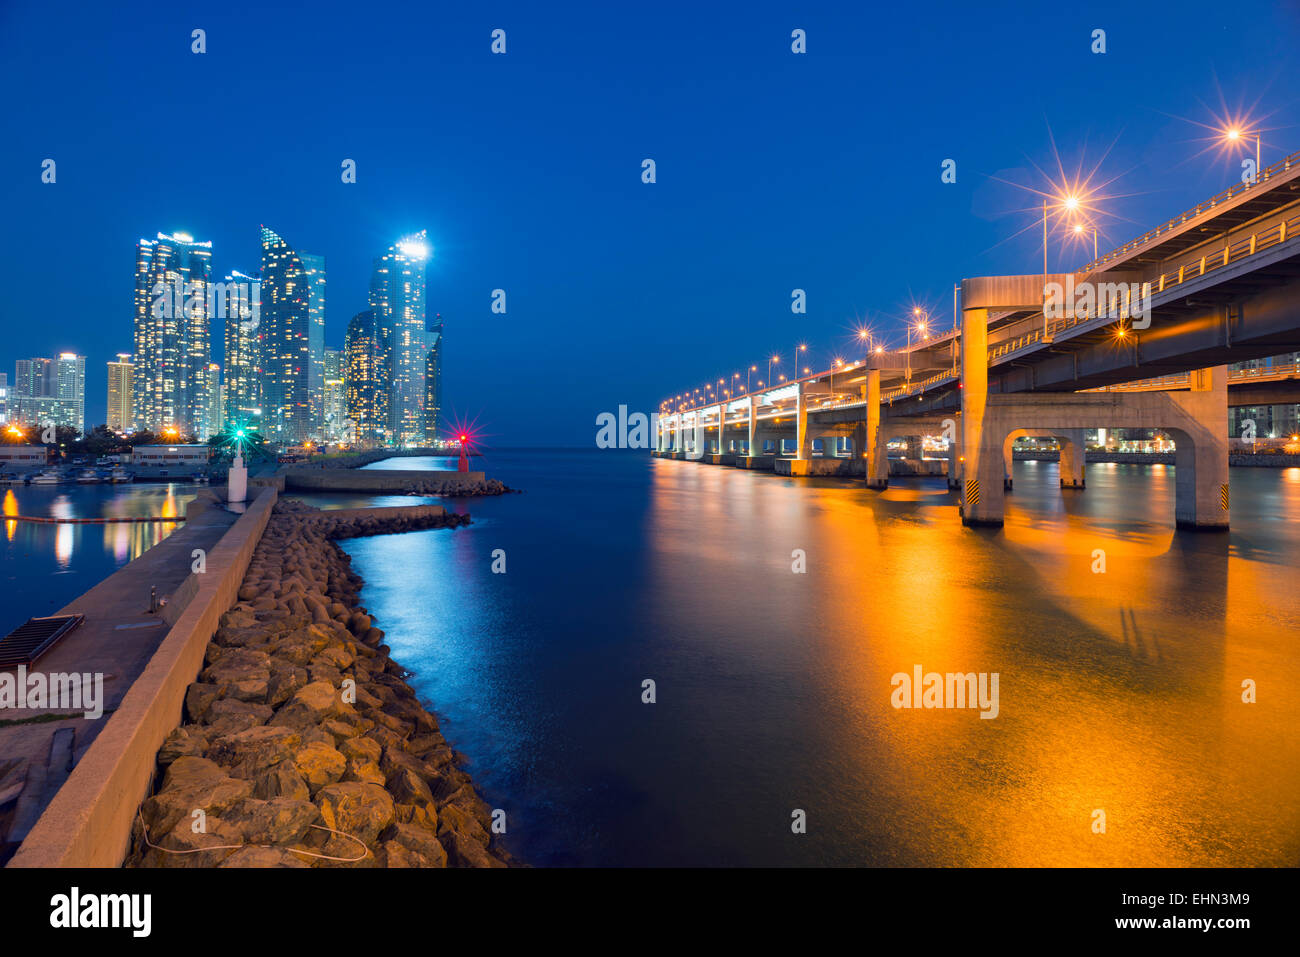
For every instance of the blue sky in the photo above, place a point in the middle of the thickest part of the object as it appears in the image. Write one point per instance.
(775, 171)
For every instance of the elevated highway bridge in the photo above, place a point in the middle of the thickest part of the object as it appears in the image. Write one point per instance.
(1138, 338)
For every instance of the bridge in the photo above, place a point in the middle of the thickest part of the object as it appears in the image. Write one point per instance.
(1144, 346)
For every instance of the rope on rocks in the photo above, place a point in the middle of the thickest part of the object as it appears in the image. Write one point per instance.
(228, 847)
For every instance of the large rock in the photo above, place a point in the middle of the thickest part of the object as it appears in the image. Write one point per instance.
(183, 846)
(283, 780)
(187, 741)
(407, 787)
(192, 784)
(311, 705)
(319, 764)
(277, 821)
(251, 752)
(406, 845)
(264, 857)
(356, 808)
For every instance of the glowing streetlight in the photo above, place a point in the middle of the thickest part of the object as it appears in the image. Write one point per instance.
(1236, 135)
(769, 367)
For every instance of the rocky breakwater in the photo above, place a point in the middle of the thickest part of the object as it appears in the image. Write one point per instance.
(458, 487)
(302, 744)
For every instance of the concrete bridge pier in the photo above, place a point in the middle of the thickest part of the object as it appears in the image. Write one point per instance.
(1201, 452)
(873, 440)
(954, 464)
(915, 451)
(801, 464)
(1073, 458)
(985, 466)
(1197, 420)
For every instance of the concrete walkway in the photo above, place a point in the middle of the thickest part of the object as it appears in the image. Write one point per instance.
(117, 640)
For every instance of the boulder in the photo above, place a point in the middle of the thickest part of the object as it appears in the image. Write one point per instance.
(283, 780)
(264, 857)
(357, 808)
(280, 820)
(192, 784)
(319, 765)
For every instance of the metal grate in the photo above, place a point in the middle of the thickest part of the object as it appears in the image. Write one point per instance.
(29, 641)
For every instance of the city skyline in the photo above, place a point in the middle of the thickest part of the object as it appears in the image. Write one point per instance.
(781, 190)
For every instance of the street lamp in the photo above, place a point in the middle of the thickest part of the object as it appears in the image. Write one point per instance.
(1235, 135)
(751, 369)
(1071, 202)
(769, 367)
(797, 349)
(920, 329)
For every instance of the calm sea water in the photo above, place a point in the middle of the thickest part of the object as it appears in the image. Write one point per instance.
(43, 567)
(1119, 691)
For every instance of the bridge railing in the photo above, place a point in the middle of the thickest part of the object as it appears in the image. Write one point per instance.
(1281, 166)
(1175, 380)
(1121, 307)
(919, 386)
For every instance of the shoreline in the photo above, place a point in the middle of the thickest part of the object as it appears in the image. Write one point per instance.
(301, 744)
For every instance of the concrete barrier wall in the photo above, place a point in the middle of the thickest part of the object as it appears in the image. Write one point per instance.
(385, 512)
(88, 824)
(371, 480)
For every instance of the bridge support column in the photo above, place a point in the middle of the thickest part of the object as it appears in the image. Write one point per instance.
(984, 468)
(1008, 467)
(1201, 469)
(1073, 457)
(915, 451)
(873, 448)
(801, 464)
(954, 464)
(860, 445)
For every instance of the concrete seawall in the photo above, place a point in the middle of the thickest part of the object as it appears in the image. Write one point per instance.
(88, 823)
(379, 480)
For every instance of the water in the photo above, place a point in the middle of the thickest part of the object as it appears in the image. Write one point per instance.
(1119, 691)
(440, 463)
(43, 567)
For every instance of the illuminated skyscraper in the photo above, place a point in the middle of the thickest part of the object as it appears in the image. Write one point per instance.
(70, 390)
(336, 406)
(50, 392)
(121, 376)
(286, 342)
(365, 378)
(314, 275)
(172, 348)
(242, 327)
(433, 381)
(213, 419)
(397, 299)
(34, 378)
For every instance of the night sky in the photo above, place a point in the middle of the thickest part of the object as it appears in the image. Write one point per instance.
(775, 171)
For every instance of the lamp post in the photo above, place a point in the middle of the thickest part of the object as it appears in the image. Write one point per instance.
(769, 367)
(794, 373)
(1235, 135)
(920, 328)
(750, 370)
(1071, 203)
